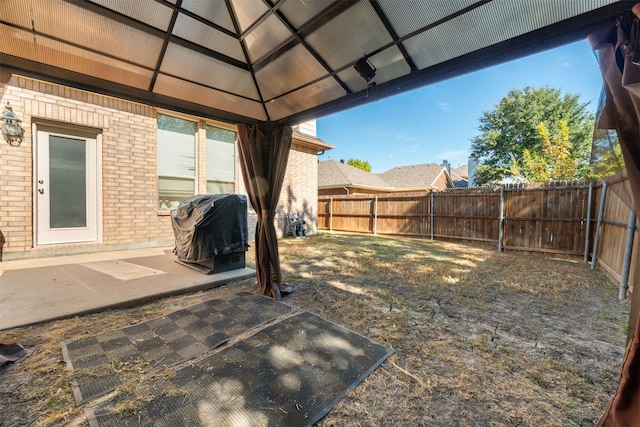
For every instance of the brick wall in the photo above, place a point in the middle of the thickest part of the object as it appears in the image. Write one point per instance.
(16, 172)
(441, 182)
(130, 216)
(299, 190)
(129, 196)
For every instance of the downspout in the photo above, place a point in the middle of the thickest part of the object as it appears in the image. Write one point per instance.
(346, 189)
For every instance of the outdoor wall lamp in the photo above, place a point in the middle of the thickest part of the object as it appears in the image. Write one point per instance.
(10, 127)
(365, 69)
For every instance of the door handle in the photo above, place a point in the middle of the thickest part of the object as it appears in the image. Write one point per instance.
(41, 190)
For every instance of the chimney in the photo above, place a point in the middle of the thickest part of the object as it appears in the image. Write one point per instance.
(472, 164)
(342, 161)
(446, 164)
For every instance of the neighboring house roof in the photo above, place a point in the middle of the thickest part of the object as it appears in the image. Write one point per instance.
(461, 171)
(423, 175)
(335, 174)
(460, 176)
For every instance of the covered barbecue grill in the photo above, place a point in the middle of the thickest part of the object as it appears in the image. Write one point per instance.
(211, 232)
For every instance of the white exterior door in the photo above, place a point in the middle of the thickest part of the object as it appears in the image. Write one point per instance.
(66, 187)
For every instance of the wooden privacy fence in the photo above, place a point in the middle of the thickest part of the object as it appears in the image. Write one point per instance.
(572, 219)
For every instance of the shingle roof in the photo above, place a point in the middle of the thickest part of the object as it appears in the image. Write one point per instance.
(423, 175)
(460, 176)
(332, 173)
(461, 172)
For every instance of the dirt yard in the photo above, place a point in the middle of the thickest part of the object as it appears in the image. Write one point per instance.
(480, 338)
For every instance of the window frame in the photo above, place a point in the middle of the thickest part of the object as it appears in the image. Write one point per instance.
(200, 177)
(159, 176)
(234, 144)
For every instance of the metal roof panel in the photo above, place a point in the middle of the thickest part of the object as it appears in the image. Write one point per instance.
(213, 11)
(79, 26)
(199, 68)
(210, 38)
(176, 88)
(248, 12)
(63, 56)
(293, 69)
(299, 12)
(266, 37)
(309, 96)
(148, 11)
(351, 35)
(415, 15)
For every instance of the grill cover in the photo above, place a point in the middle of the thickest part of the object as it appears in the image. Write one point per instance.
(208, 225)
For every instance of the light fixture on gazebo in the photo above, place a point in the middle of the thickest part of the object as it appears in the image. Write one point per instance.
(10, 127)
(365, 69)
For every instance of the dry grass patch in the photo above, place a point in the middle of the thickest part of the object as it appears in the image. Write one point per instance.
(481, 338)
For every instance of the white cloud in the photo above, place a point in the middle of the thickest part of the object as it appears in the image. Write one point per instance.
(402, 137)
(444, 106)
(562, 62)
(411, 149)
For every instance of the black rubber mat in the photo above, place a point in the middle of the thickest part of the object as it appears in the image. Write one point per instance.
(106, 361)
(289, 374)
(10, 351)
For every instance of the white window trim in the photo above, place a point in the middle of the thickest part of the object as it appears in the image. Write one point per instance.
(196, 143)
(66, 128)
(206, 122)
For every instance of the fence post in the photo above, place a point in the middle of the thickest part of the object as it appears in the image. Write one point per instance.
(587, 239)
(501, 221)
(596, 243)
(433, 213)
(375, 215)
(626, 261)
(331, 213)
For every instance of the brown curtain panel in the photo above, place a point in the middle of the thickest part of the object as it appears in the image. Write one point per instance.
(264, 151)
(618, 50)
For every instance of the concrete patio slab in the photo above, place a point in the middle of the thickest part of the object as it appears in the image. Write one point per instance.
(39, 290)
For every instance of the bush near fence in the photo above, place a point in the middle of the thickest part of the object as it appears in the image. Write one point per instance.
(559, 218)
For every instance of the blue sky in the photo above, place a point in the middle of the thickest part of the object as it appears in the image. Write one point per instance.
(438, 121)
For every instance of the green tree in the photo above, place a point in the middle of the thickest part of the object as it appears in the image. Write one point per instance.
(360, 164)
(553, 162)
(515, 126)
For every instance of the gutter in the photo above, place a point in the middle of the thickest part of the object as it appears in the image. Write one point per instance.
(311, 142)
